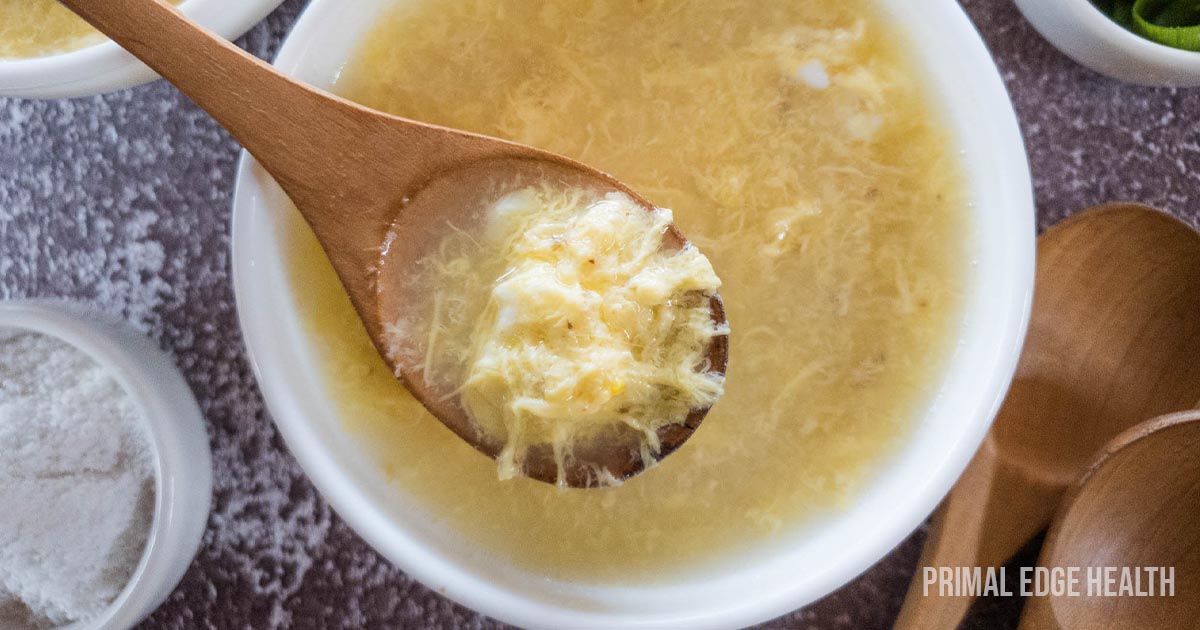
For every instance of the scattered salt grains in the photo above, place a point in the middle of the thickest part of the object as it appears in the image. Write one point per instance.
(76, 484)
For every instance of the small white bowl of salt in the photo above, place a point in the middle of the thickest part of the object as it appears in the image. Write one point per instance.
(105, 470)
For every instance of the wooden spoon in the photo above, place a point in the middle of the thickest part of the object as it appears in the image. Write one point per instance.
(1137, 506)
(1113, 337)
(355, 174)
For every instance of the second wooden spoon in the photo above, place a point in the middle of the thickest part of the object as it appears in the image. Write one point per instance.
(1136, 506)
(1113, 338)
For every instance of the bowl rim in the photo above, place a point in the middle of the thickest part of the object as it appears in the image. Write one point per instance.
(106, 67)
(176, 435)
(444, 574)
(1096, 21)
(1062, 22)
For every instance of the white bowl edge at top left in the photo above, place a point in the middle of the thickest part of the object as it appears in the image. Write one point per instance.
(106, 67)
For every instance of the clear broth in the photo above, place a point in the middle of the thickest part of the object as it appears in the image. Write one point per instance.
(835, 216)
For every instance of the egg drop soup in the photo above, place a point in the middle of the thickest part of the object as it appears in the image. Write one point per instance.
(799, 150)
(38, 28)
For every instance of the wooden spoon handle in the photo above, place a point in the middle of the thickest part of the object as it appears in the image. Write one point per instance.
(281, 121)
(993, 510)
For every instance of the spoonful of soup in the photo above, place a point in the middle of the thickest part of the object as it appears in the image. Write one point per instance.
(540, 309)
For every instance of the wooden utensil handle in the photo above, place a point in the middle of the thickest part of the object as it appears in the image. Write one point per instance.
(279, 120)
(994, 510)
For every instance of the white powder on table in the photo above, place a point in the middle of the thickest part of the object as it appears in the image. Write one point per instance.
(76, 484)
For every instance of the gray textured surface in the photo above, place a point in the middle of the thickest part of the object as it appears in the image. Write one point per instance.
(123, 202)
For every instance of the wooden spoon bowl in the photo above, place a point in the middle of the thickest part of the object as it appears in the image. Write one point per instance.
(1138, 505)
(1114, 336)
(363, 180)
(408, 240)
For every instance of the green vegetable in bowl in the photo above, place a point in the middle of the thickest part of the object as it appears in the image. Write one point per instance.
(1174, 23)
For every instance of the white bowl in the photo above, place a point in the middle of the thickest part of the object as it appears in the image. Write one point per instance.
(106, 67)
(776, 578)
(1084, 33)
(178, 440)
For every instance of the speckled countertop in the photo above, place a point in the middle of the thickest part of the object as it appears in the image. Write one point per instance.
(123, 202)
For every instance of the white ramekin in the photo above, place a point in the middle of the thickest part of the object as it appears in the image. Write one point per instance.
(801, 566)
(105, 67)
(175, 426)
(1083, 33)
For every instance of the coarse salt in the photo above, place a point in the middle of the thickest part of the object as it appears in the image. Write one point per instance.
(76, 484)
